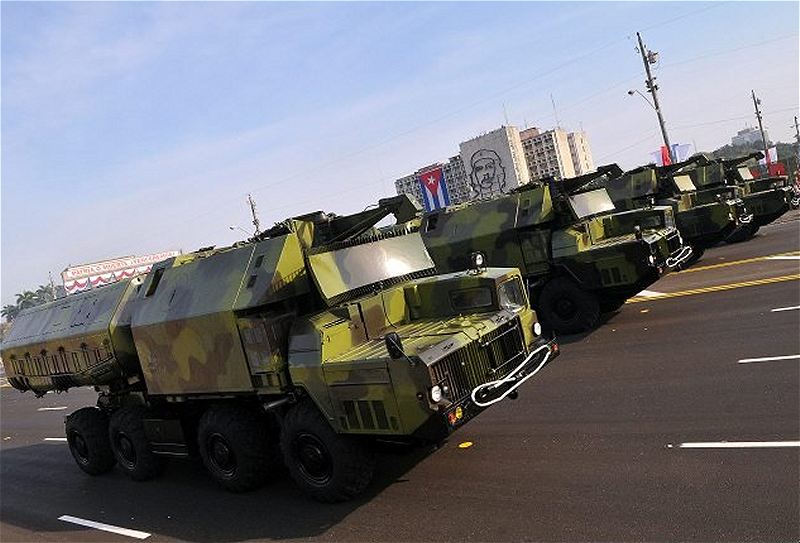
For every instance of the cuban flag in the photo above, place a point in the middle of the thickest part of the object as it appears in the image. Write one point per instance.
(434, 189)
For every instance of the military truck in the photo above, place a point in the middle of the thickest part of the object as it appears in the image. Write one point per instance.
(704, 217)
(301, 346)
(766, 198)
(579, 254)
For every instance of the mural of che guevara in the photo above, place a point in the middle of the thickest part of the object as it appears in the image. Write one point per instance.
(487, 176)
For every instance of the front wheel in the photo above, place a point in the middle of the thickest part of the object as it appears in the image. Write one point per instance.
(327, 466)
(87, 437)
(743, 233)
(566, 308)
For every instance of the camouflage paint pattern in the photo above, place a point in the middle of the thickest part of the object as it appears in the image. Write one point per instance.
(529, 230)
(247, 321)
(702, 218)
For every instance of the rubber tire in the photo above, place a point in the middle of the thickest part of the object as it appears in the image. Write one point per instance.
(586, 316)
(611, 305)
(352, 464)
(246, 433)
(91, 425)
(743, 234)
(128, 422)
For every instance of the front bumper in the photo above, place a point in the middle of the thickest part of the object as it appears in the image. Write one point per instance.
(768, 205)
(473, 388)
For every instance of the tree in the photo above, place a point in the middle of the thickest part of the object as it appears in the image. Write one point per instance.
(26, 299)
(9, 311)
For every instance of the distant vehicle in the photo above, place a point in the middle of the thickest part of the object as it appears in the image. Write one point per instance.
(579, 253)
(704, 217)
(299, 346)
(766, 197)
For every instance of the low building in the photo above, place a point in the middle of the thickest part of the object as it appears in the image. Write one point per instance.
(748, 136)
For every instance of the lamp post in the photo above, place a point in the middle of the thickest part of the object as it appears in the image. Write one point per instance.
(648, 58)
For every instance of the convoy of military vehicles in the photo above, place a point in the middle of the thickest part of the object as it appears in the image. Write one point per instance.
(304, 345)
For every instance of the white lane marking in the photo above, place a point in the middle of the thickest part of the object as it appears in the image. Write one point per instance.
(784, 257)
(769, 359)
(794, 307)
(62, 439)
(650, 293)
(105, 527)
(736, 445)
(52, 408)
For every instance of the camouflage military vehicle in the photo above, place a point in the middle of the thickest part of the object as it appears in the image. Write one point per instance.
(704, 217)
(299, 346)
(766, 198)
(579, 254)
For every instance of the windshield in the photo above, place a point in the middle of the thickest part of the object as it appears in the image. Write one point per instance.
(347, 269)
(684, 183)
(591, 203)
(745, 173)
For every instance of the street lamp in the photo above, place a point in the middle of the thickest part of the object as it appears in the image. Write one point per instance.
(635, 91)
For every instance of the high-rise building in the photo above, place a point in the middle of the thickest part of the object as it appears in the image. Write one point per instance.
(455, 183)
(494, 163)
(547, 153)
(749, 136)
(580, 152)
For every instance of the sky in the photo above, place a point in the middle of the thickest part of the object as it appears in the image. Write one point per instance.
(130, 128)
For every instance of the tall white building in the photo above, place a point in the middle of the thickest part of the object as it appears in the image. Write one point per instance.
(556, 153)
(494, 163)
(580, 152)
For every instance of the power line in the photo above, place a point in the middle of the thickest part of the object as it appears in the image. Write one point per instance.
(729, 119)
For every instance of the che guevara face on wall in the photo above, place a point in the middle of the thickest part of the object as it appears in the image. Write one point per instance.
(487, 176)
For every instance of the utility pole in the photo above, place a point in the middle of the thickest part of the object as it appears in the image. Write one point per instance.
(797, 137)
(648, 58)
(756, 103)
(53, 285)
(253, 212)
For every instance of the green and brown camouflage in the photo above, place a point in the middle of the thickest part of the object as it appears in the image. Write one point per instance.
(320, 306)
(561, 230)
(703, 217)
(767, 198)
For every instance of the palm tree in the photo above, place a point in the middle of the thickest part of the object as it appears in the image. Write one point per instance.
(26, 299)
(44, 294)
(9, 311)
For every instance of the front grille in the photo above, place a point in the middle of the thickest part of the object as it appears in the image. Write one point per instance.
(488, 359)
(674, 242)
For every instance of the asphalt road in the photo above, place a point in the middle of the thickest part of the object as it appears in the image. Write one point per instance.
(591, 451)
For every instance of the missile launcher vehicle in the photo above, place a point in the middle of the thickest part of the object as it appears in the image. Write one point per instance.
(579, 254)
(704, 217)
(300, 346)
(767, 198)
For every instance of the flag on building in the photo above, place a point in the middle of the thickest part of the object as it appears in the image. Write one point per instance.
(434, 189)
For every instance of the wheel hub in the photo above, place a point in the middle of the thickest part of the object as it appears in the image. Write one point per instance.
(80, 447)
(313, 458)
(221, 454)
(125, 449)
(565, 308)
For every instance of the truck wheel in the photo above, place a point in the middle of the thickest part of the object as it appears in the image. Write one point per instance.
(566, 308)
(234, 443)
(610, 305)
(742, 234)
(327, 466)
(130, 445)
(87, 436)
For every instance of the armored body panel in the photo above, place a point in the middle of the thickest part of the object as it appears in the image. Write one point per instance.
(187, 326)
(81, 340)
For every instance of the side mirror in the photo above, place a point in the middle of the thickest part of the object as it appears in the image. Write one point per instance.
(394, 345)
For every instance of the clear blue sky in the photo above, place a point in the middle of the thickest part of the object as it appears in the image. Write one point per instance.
(136, 127)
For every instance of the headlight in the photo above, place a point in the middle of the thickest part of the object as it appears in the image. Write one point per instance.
(436, 394)
(652, 260)
(537, 329)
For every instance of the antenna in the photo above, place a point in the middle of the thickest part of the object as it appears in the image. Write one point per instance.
(505, 113)
(555, 111)
(253, 212)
